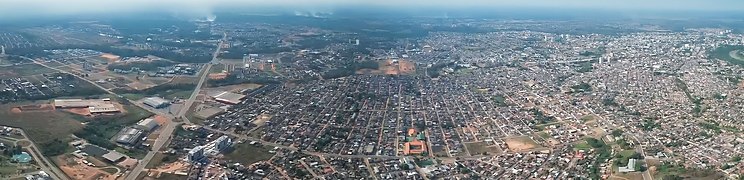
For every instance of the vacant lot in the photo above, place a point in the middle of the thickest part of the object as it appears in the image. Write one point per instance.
(23, 70)
(522, 143)
(249, 154)
(481, 148)
(43, 127)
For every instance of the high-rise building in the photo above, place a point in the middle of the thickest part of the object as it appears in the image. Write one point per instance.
(196, 154)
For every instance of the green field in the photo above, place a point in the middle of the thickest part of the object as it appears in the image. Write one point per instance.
(217, 68)
(133, 97)
(181, 94)
(160, 159)
(42, 127)
(731, 54)
(248, 154)
(23, 70)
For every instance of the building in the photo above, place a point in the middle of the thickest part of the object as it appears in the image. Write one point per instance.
(414, 144)
(228, 97)
(630, 167)
(71, 103)
(414, 147)
(129, 136)
(93, 105)
(218, 145)
(113, 156)
(148, 124)
(41, 175)
(196, 154)
(103, 108)
(156, 102)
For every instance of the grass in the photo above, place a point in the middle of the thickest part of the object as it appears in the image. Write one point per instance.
(583, 145)
(184, 94)
(42, 127)
(627, 153)
(248, 154)
(133, 153)
(191, 115)
(8, 170)
(217, 68)
(134, 97)
(725, 53)
(481, 148)
(160, 158)
(23, 70)
(110, 170)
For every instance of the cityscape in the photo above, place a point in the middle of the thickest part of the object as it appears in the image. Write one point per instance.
(369, 95)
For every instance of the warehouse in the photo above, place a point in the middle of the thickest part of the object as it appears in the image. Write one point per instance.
(129, 136)
(148, 124)
(113, 156)
(93, 105)
(103, 108)
(228, 97)
(156, 102)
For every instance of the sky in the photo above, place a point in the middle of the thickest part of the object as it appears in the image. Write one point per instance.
(28, 8)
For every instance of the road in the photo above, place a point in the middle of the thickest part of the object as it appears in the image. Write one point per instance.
(167, 131)
(205, 72)
(646, 174)
(42, 160)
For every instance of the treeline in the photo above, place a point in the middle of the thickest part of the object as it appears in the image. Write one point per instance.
(238, 52)
(723, 51)
(145, 66)
(53, 148)
(84, 89)
(350, 69)
(157, 89)
(436, 69)
(39, 52)
(233, 79)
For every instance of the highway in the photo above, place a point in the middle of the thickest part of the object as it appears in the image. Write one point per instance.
(167, 131)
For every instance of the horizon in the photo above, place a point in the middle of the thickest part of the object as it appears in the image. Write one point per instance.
(193, 9)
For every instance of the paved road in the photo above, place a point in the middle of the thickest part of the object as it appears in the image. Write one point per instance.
(167, 131)
(205, 72)
(42, 160)
(646, 174)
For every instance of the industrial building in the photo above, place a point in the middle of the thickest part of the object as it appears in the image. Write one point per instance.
(228, 97)
(113, 156)
(129, 136)
(93, 105)
(148, 124)
(156, 102)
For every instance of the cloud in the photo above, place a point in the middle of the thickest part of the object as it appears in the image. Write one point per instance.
(21, 8)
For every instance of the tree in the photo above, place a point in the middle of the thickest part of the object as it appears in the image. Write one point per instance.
(617, 132)
(736, 158)
(595, 143)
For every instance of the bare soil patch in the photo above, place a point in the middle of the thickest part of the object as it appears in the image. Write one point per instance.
(520, 144)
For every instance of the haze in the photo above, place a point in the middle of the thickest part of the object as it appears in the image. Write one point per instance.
(31, 8)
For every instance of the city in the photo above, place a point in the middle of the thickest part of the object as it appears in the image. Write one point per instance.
(307, 95)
